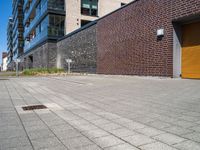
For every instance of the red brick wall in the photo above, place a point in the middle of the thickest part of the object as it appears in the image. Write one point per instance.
(127, 41)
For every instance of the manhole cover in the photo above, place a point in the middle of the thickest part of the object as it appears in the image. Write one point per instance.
(34, 107)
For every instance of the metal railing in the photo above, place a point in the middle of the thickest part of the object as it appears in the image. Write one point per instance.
(36, 19)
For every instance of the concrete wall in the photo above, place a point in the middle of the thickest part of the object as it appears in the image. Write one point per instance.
(81, 47)
(127, 40)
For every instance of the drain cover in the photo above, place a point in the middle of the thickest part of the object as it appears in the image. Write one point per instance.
(34, 107)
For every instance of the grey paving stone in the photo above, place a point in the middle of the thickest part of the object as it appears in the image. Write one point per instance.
(134, 125)
(159, 124)
(122, 132)
(46, 143)
(20, 148)
(188, 145)
(138, 140)
(100, 122)
(66, 134)
(195, 136)
(156, 146)
(148, 131)
(196, 128)
(14, 142)
(169, 139)
(178, 130)
(41, 133)
(77, 142)
(95, 133)
(88, 147)
(122, 147)
(110, 126)
(108, 141)
(184, 124)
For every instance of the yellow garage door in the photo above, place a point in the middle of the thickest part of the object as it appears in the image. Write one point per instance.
(191, 51)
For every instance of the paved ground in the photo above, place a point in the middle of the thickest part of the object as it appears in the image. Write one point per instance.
(100, 112)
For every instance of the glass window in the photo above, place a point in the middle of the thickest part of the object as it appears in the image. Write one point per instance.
(56, 25)
(56, 4)
(89, 7)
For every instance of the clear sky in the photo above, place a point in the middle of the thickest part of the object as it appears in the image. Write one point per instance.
(5, 13)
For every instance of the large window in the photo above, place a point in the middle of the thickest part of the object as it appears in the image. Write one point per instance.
(56, 25)
(56, 4)
(89, 7)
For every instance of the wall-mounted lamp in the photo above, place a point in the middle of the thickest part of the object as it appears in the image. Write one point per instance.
(160, 32)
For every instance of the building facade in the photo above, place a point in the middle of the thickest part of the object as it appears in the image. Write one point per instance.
(18, 28)
(45, 21)
(81, 12)
(10, 40)
(151, 38)
(4, 61)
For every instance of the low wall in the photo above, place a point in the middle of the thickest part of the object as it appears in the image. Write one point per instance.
(81, 47)
(44, 56)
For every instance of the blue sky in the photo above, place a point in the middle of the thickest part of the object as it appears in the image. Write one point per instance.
(5, 13)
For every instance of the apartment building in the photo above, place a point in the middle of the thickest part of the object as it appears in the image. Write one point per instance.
(10, 40)
(18, 28)
(81, 12)
(4, 61)
(45, 21)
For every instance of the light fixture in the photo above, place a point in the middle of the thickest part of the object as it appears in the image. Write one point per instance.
(160, 32)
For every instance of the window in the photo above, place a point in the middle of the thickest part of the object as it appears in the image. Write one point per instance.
(84, 22)
(89, 7)
(56, 25)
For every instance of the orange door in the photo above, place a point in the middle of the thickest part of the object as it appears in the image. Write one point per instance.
(191, 50)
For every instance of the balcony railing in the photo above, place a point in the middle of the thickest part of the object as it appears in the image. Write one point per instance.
(36, 19)
(35, 41)
(26, 15)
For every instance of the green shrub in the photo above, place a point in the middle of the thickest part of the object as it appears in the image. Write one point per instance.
(36, 71)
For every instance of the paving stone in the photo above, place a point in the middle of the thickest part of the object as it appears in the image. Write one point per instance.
(159, 124)
(178, 130)
(195, 136)
(66, 134)
(110, 126)
(122, 147)
(100, 122)
(138, 140)
(188, 145)
(169, 139)
(148, 131)
(108, 141)
(156, 146)
(88, 147)
(38, 134)
(46, 143)
(14, 142)
(122, 132)
(72, 143)
(95, 133)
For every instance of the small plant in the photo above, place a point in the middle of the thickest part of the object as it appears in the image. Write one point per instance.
(38, 71)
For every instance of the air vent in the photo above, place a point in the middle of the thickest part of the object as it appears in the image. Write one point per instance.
(34, 107)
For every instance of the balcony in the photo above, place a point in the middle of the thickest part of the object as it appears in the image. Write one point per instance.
(25, 4)
(36, 19)
(39, 38)
(32, 6)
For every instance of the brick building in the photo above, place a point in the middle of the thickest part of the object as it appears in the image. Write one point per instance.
(128, 42)
(145, 37)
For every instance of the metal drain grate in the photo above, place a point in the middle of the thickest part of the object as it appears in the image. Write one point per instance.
(34, 107)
